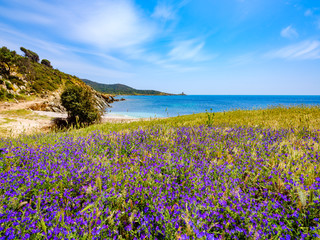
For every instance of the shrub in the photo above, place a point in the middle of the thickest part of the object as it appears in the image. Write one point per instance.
(16, 80)
(3, 94)
(36, 87)
(9, 85)
(210, 116)
(46, 63)
(80, 105)
(10, 96)
(20, 97)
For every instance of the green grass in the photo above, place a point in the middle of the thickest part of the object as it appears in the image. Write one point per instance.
(22, 113)
(274, 118)
(297, 117)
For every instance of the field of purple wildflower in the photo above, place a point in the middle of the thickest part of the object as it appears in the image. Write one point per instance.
(163, 182)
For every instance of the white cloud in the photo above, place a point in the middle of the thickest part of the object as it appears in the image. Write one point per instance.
(308, 13)
(187, 50)
(289, 32)
(110, 33)
(110, 25)
(164, 12)
(301, 51)
(69, 59)
(183, 3)
(183, 56)
(105, 24)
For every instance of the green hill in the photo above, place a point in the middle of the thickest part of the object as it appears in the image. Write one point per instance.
(121, 89)
(24, 76)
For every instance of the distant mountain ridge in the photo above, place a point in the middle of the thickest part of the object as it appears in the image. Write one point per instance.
(121, 89)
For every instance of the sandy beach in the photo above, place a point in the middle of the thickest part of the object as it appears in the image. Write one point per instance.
(16, 119)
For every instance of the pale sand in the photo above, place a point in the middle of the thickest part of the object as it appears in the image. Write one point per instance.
(105, 117)
(39, 121)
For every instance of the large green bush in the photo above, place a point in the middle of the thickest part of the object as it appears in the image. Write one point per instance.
(80, 104)
(46, 62)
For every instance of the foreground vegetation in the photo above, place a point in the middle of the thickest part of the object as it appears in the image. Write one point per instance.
(233, 175)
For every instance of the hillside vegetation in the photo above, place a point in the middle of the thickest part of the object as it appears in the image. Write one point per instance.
(121, 89)
(233, 175)
(22, 77)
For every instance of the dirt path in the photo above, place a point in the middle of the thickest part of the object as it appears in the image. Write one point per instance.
(7, 106)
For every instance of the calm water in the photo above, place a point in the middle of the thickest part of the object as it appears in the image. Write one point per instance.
(164, 106)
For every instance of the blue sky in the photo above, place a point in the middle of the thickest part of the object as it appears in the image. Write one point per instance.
(194, 46)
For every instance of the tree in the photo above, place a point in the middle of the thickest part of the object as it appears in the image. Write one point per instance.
(29, 54)
(80, 105)
(7, 58)
(46, 63)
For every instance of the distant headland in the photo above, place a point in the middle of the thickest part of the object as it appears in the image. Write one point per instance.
(121, 89)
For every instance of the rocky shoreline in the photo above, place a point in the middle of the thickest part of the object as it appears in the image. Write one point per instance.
(53, 103)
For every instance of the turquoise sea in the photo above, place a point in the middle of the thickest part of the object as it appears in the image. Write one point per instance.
(164, 106)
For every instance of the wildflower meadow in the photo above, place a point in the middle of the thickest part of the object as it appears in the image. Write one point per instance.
(163, 182)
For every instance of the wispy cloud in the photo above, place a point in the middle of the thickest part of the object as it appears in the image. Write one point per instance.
(164, 12)
(313, 14)
(20, 15)
(112, 32)
(301, 51)
(289, 32)
(187, 50)
(109, 24)
(64, 57)
(184, 55)
(308, 13)
(242, 59)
